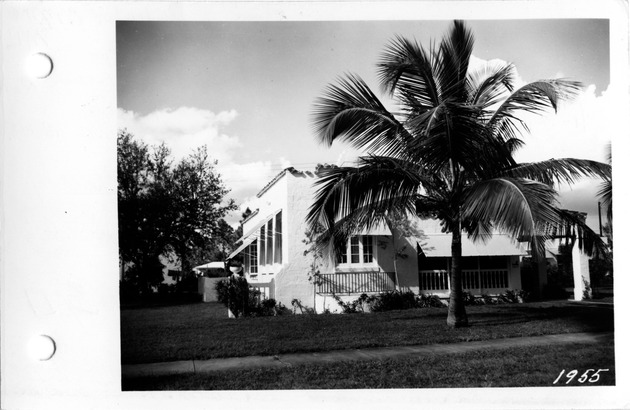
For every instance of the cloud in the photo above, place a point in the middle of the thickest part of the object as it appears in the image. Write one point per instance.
(580, 129)
(479, 64)
(583, 128)
(183, 130)
(186, 128)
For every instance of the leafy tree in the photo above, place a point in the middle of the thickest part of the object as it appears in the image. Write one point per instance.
(215, 248)
(447, 153)
(168, 210)
(244, 216)
(198, 206)
(139, 246)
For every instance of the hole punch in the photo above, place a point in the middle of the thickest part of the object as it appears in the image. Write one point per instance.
(42, 347)
(39, 65)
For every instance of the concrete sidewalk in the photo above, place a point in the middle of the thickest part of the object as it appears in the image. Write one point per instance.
(293, 359)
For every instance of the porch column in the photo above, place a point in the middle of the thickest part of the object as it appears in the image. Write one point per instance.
(581, 274)
(541, 277)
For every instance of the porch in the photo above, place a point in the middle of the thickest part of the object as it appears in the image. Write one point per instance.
(355, 282)
(476, 281)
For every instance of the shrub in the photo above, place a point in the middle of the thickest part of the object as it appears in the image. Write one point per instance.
(487, 300)
(297, 304)
(513, 296)
(266, 307)
(356, 306)
(430, 301)
(128, 292)
(165, 289)
(554, 291)
(236, 295)
(470, 299)
(391, 300)
(394, 300)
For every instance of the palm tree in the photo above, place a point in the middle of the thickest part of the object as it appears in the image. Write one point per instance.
(605, 190)
(447, 153)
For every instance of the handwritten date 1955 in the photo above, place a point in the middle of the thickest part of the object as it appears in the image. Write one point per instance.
(590, 376)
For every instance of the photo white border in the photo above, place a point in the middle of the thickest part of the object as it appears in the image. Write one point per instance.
(58, 223)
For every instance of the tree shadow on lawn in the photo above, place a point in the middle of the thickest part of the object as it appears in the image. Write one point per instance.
(571, 318)
(588, 319)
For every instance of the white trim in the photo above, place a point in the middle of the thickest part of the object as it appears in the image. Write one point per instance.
(359, 264)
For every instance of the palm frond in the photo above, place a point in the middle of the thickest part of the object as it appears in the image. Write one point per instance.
(536, 98)
(454, 56)
(553, 171)
(605, 190)
(478, 230)
(406, 70)
(351, 198)
(606, 195)
(488, 84)
(351, 112)
(452, 62)
(453, 133)
(519, 208)
(573, 227)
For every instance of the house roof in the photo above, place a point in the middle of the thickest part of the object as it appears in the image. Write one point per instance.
(250, 216)
(378, 229)
(244, 245)
(293, 172)
(255, 229)
(210, 265)
(433, 245)
(275, 179)
(251, 235)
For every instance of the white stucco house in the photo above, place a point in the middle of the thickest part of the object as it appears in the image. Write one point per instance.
(273, 253)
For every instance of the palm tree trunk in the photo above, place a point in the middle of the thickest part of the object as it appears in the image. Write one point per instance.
(395, 259)
(456, 311)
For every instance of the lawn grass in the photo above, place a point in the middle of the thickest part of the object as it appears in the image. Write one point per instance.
(513, 367)
(203, 331)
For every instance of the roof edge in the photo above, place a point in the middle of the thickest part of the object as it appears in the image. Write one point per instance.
(295, 172)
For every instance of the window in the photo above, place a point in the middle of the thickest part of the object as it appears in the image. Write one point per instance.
(355, 252)
(253, 258)
(269, 242)
(432, 263)
(277, 256)
(269, 250)
(368, 250)
(493, 262)
(342, 258)
(360, 250)
(262, 245)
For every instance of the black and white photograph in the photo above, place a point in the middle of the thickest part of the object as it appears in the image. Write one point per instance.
(315, 204)
(365, 204)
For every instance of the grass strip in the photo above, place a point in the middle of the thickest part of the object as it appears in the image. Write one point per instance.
(203, 331)
(510, 367)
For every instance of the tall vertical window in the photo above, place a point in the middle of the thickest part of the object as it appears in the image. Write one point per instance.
(368, 250)
(355, 252)
(269, 249)
(277, 256)
(263, 261)
(342, 257)
(253, 258)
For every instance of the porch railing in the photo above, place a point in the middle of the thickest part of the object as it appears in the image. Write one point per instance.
(438, 280)
(355, 282)
(433, 280)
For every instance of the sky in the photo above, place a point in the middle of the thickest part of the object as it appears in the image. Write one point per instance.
(246, 89)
